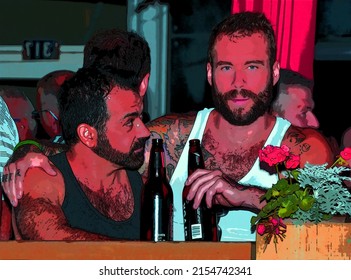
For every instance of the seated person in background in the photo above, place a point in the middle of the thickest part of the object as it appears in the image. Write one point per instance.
(48, 88)
(21, 110)
(8, 140)
(93, 196)
(125, 50)
(294, 100)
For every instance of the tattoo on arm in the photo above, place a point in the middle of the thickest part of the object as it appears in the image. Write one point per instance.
(297, 139)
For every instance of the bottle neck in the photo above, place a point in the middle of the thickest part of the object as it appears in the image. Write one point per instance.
(156, 164)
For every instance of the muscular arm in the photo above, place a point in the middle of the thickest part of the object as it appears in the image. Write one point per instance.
(25, 157)
(39, 215)
(218, 188)
(310, 145)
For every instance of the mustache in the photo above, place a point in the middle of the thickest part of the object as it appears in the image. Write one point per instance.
(243, 92)
(140, 143)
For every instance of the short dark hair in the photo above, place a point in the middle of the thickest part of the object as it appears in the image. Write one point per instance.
(290, 77)
(82, 98)
(246, 24)
(124, 50)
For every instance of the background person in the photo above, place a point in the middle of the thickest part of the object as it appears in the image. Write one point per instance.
(294, 100)
(48, 88)
(21, 109)
(125, 50)
(8, 140)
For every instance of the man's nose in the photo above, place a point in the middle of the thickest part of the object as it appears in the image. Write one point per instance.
(239, 79)
(312, 120)
(143, 130)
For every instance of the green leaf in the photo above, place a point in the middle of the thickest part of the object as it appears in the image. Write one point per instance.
(306, 203)
(295, 174)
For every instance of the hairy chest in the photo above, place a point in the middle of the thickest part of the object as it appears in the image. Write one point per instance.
(234, 161)
(115, 201)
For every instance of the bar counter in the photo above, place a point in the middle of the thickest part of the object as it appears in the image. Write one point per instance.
(125, 250)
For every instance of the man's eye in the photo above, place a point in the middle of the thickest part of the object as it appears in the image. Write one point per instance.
(129, 123)
(225, 68)
(252, 67)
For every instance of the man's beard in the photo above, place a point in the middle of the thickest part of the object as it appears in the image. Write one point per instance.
(129, 160)
(262, 102)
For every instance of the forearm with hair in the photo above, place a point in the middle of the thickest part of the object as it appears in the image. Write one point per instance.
(247, 196)
(22, 151)
(39, 219)
(48, 149)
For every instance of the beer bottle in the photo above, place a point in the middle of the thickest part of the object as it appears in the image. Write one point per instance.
(157, 199)
(199, 224)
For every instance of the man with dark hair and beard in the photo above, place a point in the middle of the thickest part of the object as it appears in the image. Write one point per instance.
(242, 70)
(96, 193)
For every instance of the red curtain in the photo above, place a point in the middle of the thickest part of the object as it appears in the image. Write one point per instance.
(294, 23)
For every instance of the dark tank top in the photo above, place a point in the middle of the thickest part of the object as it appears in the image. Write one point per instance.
(81, 214)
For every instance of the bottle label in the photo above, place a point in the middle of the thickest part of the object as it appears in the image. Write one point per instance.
(196, 231)
(158, 234)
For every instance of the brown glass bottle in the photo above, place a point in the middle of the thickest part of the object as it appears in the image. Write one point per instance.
(199, 224)
(156, 199)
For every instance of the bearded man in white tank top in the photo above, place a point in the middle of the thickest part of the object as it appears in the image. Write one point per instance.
(242, 70)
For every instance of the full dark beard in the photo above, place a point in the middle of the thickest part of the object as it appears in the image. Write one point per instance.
(129, 160)
(262, 102)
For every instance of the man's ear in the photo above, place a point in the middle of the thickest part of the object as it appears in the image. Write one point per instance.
(144, 84)
(87, 135)
(209, 73)
(276, 72)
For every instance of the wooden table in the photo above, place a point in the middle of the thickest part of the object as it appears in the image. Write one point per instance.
(125, 250)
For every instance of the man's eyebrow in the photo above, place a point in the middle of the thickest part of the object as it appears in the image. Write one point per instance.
(221, 62)
(133, 114)
(255, 62)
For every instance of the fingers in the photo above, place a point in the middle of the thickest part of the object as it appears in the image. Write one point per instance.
(212, 186)
(47, 167)
(12, 179)
(201, 181)
(40, 160)
(8, 183)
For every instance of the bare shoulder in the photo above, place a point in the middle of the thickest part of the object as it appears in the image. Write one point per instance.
(172, 123)
(310, 144)
(174, 129)
(38, 184)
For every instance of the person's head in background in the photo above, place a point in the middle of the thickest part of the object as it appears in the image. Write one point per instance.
(294, 101)
(48, 88)
(21, 109)
(124, 50)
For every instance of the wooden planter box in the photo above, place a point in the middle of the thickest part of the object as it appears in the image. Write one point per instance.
(324, 241)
